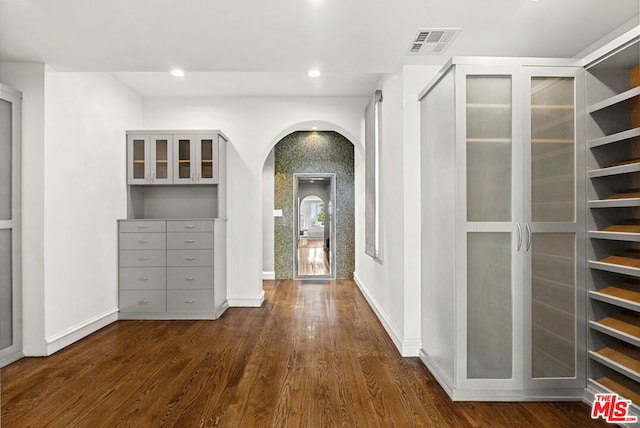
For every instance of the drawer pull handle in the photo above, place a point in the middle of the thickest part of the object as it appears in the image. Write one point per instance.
(143, 278)
(143, 302)
(190, 258)
(189, 278)
(143, 259)
(189, 241)
(189, 301)
(190, 226)
(143, 241)
(143, 227)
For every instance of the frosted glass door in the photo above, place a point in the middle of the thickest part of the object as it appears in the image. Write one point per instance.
(489, 148)
(5, 161)
(489, 308)
(6, 209)
(554, 227)
(138, 155)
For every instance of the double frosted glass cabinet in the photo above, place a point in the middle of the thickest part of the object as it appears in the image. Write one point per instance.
(502, 219)
(172, 246)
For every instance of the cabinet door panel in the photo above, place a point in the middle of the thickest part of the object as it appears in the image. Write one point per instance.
(489, 306)
(6, 289)
(6, 170)
(137, 159)
(553, 305)
(489, 148)
(184, 160)
(161, 159)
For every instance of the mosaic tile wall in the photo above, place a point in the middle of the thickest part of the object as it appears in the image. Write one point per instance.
(314, 152)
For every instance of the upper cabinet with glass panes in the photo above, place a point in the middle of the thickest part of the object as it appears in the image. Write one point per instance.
(171, 158)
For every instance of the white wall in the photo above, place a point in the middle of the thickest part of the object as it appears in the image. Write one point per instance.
(392, 286)
(254, 126)
(86, 115)
(29, 78)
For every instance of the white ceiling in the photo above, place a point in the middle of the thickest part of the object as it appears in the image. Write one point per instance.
(265, 47)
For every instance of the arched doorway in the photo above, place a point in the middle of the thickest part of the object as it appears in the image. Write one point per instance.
(310, 152)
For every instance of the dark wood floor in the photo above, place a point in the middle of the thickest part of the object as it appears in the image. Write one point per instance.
(313, 356)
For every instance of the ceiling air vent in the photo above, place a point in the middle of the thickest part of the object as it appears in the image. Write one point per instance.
(432, 41)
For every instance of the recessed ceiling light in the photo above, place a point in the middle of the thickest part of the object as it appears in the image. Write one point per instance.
(314, 73)
(314, 128)
(177, 73)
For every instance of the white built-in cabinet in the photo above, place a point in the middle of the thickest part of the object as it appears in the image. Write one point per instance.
(10, 229)
(503, 229)
(172, 245)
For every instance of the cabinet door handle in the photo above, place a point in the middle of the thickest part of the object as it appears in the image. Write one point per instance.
(143, 259)
(190, 258)
(143, 302)
(143, 278)
(189, 301)
(143, 241)
(189, 241)
(190, 226)
(143, 227)
(519, 237)
(189, 278)
(529, 237)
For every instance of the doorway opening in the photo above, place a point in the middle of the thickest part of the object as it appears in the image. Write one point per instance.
(314, 229)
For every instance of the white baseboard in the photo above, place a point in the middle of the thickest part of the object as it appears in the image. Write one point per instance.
(443, 380)
(268, 275)
(244, 302)
(406, 347)
(79, 331)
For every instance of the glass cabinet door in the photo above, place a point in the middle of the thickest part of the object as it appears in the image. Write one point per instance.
(553, 229)
(138, 160)
(184, 160)
(490, 217)
(207, 152)
(162, 171)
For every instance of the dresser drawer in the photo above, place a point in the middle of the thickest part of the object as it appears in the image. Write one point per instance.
(142, 241)
(190, 241)
(144, 226)
(189, 300)
(151, 278)
(195, 278)
(189, 258)
(142, 258)
(190, 226)
(147, 301)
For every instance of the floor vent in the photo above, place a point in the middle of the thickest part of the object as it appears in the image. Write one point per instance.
(431, 41)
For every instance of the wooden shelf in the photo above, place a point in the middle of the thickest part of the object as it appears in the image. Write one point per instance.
(620, 168)
(623, 326)
(620, 357)
(552, 107)
(162, 161)
(627, 95)
(206, 161)
(184, 161)
(630, 226)
(138, 161)
(626, 231)
(625, 295)
(621, 385)
(630, 258)
(552, 140)
(620, 136)
(630, 198)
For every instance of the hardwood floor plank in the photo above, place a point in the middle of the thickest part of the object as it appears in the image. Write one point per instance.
(313, 355)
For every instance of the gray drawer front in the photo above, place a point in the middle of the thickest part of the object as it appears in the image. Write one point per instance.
(190, 226)
(143, 226)
(147, 301)
(190, 241)
(152, 278)
(189, 300)
(142, 241)
(142, 258)
(195, 278)
(189, 258)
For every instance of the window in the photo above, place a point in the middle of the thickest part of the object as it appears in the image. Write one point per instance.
(373, 140)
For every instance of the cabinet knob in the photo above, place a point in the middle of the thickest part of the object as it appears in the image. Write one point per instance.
(190, 226)
(143, 278)
(189, 241)
(189, 301)
(143, 302)
(189, 278)
(190, 258)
